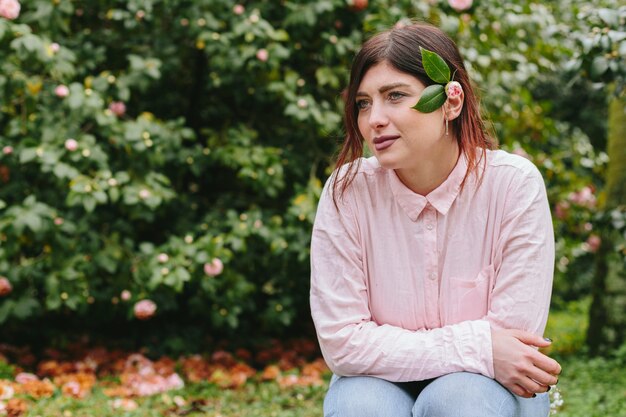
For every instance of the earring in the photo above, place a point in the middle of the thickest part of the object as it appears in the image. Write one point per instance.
(446, 116)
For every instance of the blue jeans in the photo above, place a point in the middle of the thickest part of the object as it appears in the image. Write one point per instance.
(461, 394)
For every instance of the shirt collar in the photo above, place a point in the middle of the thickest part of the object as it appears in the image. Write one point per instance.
(441, 198)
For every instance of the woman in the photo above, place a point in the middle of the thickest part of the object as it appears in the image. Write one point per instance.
(432, 261)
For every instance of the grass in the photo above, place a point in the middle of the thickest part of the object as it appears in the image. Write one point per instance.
(264, 399)
(588, 387)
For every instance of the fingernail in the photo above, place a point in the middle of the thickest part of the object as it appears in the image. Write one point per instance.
(547, 339)
(534, 395)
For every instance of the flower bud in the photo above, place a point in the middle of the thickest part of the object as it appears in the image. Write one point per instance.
(62, 91)
(145, 309)
(214, 268)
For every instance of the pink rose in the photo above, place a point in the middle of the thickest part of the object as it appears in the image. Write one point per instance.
(5, 287)
(593, 243)
(238, 9)
(54, 47)
(453, 89)
(9, 9)
(71, 145)
(118, 108)
(62, 91)
(561, 210)
(145, 309)
(125, 295)
(584, 197)
(7, 150)
(163, 257)
(460, 5)
(214, 268)
(58, 221)
(24, 377)
(262, 55)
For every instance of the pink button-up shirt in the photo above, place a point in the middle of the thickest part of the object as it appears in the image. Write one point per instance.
(407, 287)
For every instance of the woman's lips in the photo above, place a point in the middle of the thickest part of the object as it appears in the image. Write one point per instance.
(383, 142)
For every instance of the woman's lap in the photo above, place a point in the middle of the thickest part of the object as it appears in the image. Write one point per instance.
(455, 395)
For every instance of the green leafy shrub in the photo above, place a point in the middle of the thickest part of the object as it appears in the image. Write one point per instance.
(144, 140)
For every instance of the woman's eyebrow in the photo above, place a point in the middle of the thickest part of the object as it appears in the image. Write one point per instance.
(384, 88)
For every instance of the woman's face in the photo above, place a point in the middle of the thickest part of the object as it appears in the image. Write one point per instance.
(399, 136)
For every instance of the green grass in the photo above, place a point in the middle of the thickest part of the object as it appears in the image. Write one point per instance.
(261, 399)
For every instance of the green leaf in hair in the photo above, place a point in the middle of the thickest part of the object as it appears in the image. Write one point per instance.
(432, 98)
(435, 67)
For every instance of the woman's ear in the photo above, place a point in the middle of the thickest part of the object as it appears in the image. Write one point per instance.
(454, 105)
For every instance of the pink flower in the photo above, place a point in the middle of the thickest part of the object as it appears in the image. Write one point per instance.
(561, 210)
(145, 309)
(262, 55)
(143, 193)
(453, 89)
(163, 257)
(5, 287)
(54, 47)
(460, 5)
(9, 9)
(214, 268)
(24, 377)
(125, 295)
(58, 221)
(238, 9)
(71, 145)
(584, 197)
(72, 388)
(593, 243)
(6, 392)
(118, 108)
(7, 150)
(62, 91)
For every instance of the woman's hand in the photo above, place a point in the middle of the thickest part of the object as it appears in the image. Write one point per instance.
(519, 366)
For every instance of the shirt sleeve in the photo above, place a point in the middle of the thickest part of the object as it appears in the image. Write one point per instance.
(351, 342)
(524, 258)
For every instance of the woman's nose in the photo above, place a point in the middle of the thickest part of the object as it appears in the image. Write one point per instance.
(378, 117)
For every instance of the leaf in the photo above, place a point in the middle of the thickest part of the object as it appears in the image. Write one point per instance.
(609, 16)
(435, 67)
(432, 98)
(25, 307)
(599, 66)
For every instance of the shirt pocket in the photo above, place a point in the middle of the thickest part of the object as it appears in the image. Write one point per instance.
(470, 298)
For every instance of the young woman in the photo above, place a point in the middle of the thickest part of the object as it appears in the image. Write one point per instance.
(432, 261)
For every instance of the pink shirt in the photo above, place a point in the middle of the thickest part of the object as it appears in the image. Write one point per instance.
(406, 287)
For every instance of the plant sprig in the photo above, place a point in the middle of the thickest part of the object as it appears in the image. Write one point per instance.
(433, 96)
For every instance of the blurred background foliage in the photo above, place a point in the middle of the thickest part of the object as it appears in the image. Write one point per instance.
(174, 151)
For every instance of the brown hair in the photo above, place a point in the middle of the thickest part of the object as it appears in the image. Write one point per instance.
(400, 47)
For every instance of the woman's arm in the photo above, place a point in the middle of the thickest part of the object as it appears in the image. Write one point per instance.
(524, 263)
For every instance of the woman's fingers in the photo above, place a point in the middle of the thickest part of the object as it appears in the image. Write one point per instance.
(519, 366)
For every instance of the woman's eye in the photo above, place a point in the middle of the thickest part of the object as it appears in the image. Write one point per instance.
(362, 104)
(394, 95)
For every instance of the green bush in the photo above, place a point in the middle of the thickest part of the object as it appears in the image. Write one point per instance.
(143, 140)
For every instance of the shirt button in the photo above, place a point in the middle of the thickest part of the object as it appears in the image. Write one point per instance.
(432, 276)
(429, 226)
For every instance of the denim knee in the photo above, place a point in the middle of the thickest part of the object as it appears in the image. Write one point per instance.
(464, 394)
(362, 396)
